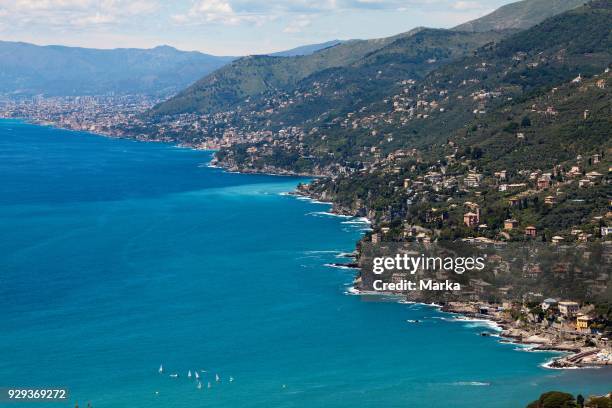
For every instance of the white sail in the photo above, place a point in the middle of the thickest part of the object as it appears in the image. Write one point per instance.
(217, 378)
(189, 374)
(197, 376)
(161, 368)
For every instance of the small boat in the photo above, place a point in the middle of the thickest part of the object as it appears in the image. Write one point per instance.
(174, 375)
(197, 376)
(231, 379)
(199, 385)
(217, 379)
(209, 385)
(161, 368)
(189, 374)
(413, 321)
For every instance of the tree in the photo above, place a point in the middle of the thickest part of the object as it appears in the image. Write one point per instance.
(526, 122)
(600, 402)
(554, 399)
(580, 401)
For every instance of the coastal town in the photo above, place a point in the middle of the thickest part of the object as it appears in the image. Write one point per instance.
(543, 296)
(96, 114)
(371, 203)
(491, 177)
(424, 199)
(549, 324)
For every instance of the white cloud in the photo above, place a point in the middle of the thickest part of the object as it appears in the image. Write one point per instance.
(213, 7)
(224, 26)
(80, 13)
(209, 11)
(467, 5)
(297, 25)
(94, 19)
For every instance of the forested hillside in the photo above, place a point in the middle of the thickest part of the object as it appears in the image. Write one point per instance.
(520, 129)
(500, 134)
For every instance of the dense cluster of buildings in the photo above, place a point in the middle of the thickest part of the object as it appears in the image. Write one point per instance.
(100, 114)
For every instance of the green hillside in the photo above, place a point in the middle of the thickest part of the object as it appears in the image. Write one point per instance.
(252, 75)
(577, 42)
(371, 78)
(407, 129)
(537, 102)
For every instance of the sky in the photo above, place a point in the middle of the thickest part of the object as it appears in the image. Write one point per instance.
(225, 27)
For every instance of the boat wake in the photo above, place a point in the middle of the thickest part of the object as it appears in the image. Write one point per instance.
(472, 383)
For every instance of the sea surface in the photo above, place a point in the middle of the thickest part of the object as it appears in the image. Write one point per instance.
(118, 256)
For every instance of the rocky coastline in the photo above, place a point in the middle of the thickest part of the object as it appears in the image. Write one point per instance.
(578, 355)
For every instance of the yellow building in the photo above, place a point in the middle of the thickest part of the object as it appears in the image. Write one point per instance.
(583, 322)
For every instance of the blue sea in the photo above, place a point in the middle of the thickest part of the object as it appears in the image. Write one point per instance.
(117, 256)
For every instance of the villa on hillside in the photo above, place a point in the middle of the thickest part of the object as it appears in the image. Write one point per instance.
(568, 309)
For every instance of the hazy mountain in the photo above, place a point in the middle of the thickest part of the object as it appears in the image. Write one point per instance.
(29, 69)
(306, 49)
(520, 15)
(58, 70)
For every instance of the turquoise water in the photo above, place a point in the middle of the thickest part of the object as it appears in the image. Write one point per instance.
(118, 256)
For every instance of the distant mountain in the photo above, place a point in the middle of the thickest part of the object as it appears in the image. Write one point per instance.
(57, 70)
(306, 49)
(520, 15)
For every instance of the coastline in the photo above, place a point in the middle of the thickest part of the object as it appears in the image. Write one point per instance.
(575, 356)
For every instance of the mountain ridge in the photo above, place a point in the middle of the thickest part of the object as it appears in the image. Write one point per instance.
(255, 74)
(58, 70)
(431, 110)
(520, 15)
(29, 69)
(226, 88)
(306, 49)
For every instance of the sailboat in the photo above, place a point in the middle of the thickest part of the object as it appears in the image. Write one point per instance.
(231, 379)
(199, 385)
(197, 376)
(161, 368)
(209, 385)
(217, 379)
(189, 374)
